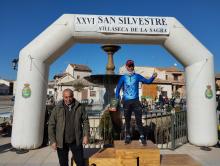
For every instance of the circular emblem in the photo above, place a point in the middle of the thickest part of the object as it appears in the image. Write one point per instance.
(208, 92)
(26, 91)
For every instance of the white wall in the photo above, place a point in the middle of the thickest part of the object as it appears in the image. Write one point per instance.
(167, 88)
(69, 69)
(4, 89)
(81, 74)
(76, 73)
(98, 99)
(5, 82)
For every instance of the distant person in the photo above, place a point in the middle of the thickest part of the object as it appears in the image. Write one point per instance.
(50, 104)
(130, 83)
(68, 129)
(161, 101)
(48, 111)
(172, 101)
(144, 104)
(177, 101)
(166, 100)
(218, 103)
(218, 109)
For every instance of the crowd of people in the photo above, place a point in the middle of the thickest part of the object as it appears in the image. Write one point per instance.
(163, 103)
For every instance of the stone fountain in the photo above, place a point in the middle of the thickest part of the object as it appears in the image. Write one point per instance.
(110, 79)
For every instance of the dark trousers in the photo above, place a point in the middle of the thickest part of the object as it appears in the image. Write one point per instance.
(77, 152)
(130, 106)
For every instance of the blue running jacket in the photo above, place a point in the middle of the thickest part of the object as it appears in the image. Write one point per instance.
(130, 85)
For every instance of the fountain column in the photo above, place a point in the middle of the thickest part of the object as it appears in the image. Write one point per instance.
(110, 67)
(110, 50)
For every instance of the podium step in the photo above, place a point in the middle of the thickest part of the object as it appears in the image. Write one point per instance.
(148, 155)
(135, 154)
(132, 154)
(107, 157)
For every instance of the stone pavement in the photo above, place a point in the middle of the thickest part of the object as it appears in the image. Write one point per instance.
(43, 156)
(205, 158)
(47, 157)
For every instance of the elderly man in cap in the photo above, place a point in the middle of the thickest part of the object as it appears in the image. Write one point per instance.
(129, 83)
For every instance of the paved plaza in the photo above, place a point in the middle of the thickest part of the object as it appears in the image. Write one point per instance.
(45, 156)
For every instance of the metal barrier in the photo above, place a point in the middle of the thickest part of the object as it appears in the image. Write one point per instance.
(6, 114)
(178, 129)
(167, 130)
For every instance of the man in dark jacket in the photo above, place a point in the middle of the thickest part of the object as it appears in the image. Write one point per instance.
(68, 128)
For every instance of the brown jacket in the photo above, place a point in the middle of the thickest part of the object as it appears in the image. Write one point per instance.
(56, 124)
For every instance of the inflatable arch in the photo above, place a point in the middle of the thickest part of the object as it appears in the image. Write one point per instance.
(36, 57)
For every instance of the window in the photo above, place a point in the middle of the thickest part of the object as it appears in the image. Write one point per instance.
(166, 77)
(164, 93)
(175, 77)
(92, 93)
(78, 77)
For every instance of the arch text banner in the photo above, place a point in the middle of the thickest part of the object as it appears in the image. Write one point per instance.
(122, 24)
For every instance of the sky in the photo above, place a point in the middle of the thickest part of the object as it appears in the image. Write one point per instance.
(23, 20)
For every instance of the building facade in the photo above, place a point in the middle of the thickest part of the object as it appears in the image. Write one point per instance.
(6, 87)
(78, 71)
(72, 78)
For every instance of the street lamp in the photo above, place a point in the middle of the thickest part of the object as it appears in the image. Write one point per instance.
(15, 63)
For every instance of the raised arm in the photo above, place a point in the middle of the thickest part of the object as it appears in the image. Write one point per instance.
(145, 80)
